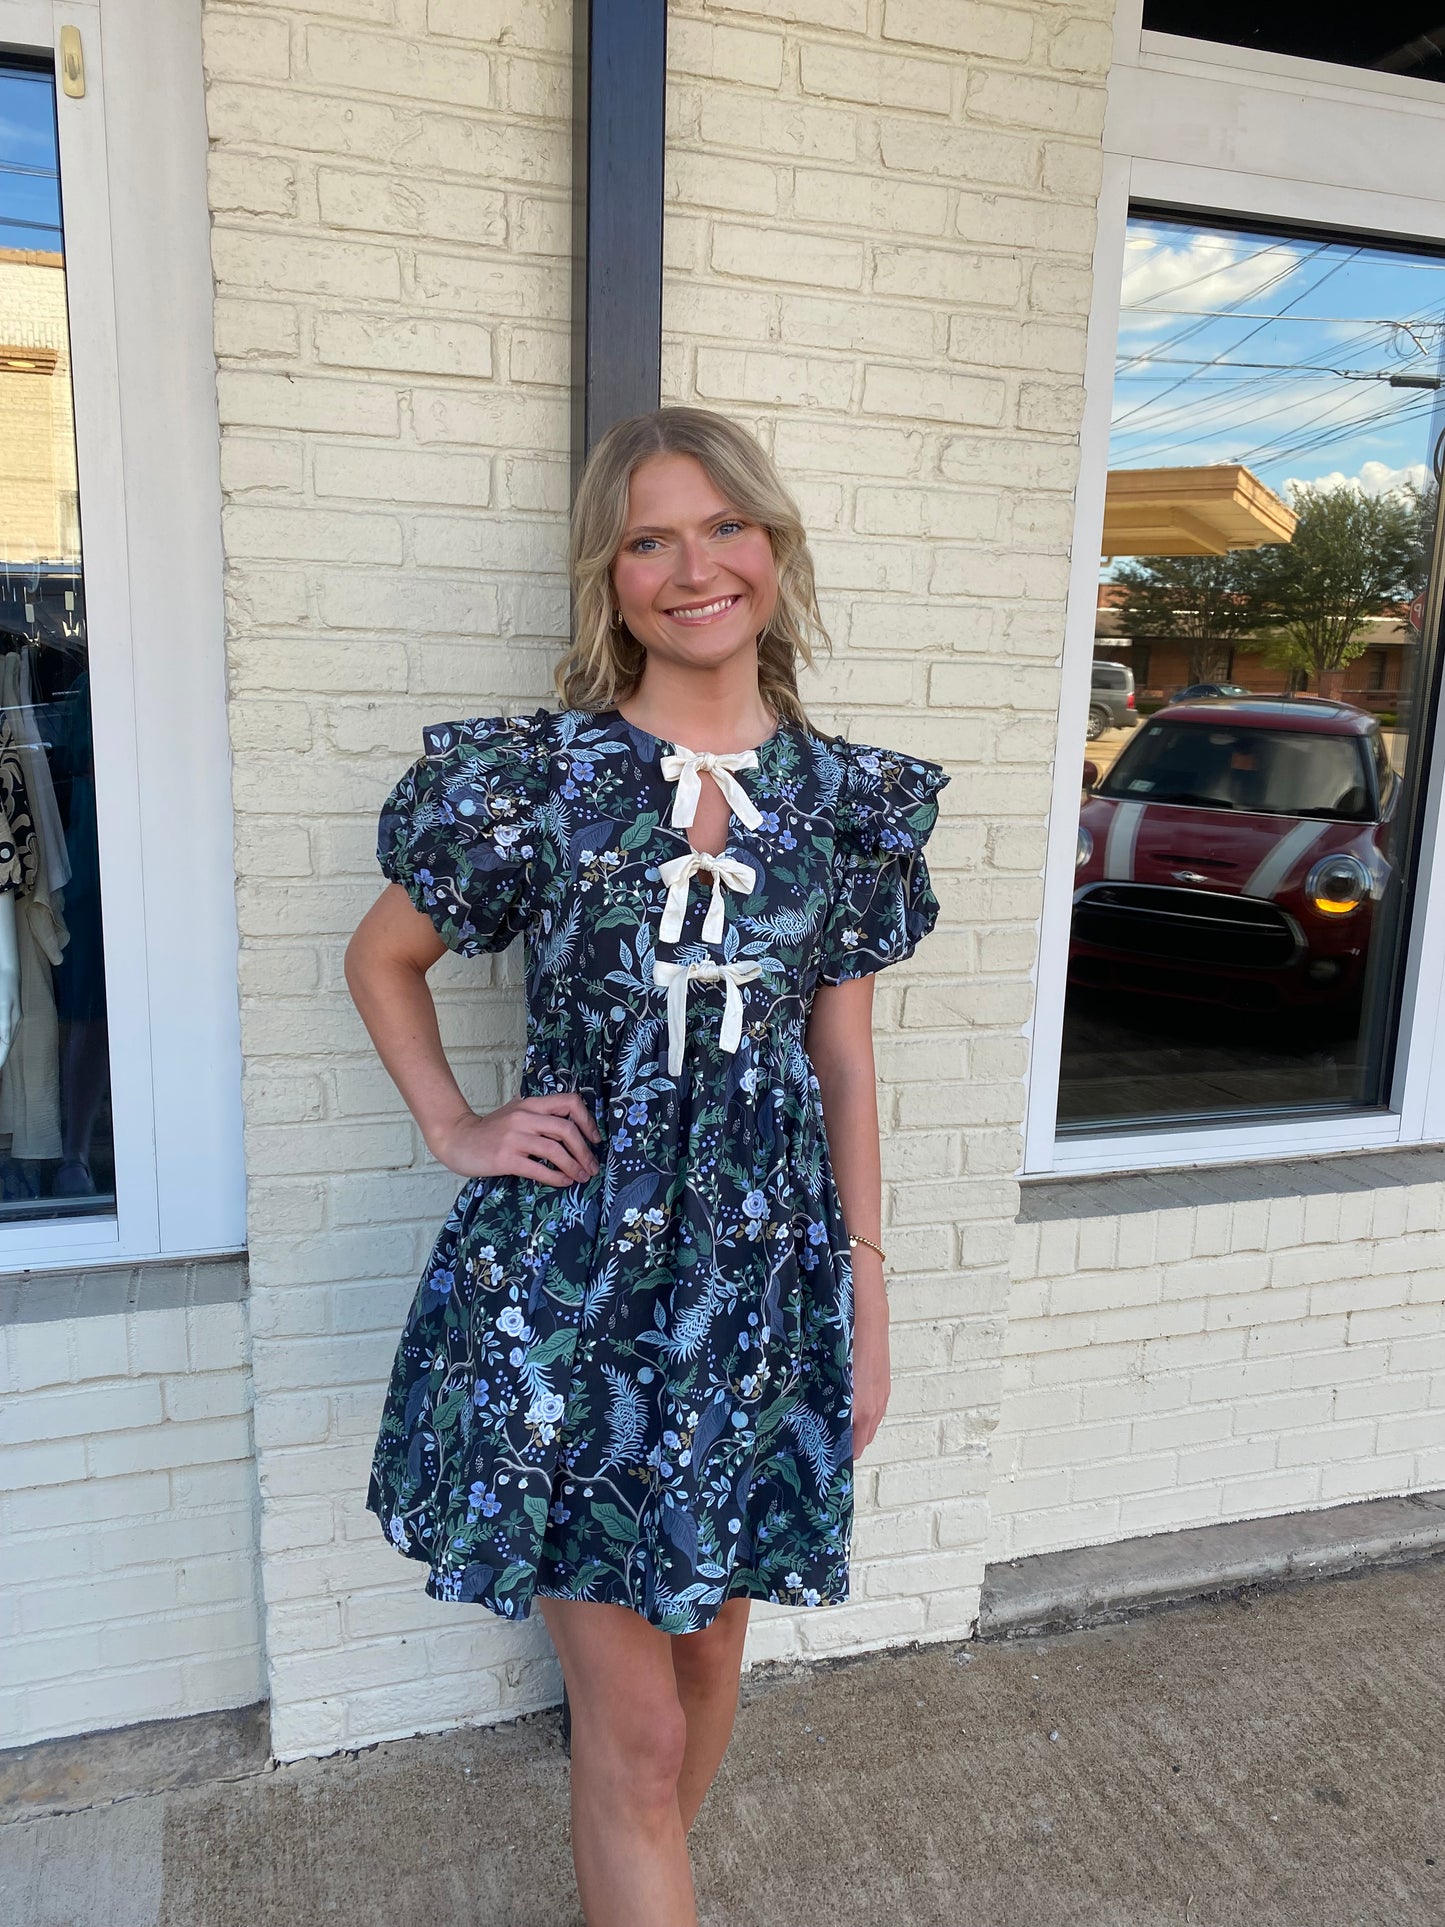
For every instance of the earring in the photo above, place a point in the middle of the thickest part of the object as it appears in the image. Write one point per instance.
(616, 618)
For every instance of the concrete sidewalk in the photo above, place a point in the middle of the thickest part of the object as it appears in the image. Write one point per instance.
(1275, 1758)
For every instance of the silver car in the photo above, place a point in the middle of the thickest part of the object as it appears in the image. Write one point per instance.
(1111, 699)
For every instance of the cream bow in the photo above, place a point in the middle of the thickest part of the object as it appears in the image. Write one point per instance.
(684, 767)
(677, 977)
(675, 874)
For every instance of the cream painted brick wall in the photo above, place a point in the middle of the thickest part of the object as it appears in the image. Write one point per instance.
(869, 262)
(1176, 1368)
(128, 1584)
(390, 188)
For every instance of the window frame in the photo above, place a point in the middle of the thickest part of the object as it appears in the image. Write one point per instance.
(1167, 147)
(138, 285)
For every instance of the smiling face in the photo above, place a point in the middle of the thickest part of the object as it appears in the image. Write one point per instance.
(694, 577)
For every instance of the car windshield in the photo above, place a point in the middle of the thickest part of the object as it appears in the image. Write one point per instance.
(1273, 772)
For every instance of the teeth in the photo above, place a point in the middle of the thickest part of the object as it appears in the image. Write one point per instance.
(709, 609)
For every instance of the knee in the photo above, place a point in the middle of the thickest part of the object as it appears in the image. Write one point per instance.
(708, 1664)
(644, 1739)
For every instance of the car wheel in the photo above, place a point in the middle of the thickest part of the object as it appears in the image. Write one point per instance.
(1098, 722)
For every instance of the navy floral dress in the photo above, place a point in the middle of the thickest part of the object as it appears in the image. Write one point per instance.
(638, 1389)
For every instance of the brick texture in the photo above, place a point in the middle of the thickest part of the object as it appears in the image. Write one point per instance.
(879, 230)
(867, 262)
(844, 277)
(864, 263)
(390, 185)
(38, 504)
(1174, 1368)
(128, 1589)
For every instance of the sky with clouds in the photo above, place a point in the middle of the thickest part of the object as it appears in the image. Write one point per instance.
(29, 196)
(1237, 346)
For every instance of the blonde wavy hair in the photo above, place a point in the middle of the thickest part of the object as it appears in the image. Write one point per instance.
(605, 662)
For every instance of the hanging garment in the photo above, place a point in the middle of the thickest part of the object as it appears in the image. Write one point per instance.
(17, 694)
(30, 1075)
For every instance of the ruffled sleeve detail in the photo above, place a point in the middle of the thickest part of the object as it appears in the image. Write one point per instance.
(463, 832)
(884, 905)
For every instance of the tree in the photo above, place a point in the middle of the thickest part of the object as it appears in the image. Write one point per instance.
(1353, 556)
(1206, 601)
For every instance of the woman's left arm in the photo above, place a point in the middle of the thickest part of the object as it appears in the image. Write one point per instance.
(840, 1044)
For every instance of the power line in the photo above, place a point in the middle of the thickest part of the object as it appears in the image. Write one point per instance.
(1397, 380)
(1181, 335)
(1219, 407)
(1249, 336)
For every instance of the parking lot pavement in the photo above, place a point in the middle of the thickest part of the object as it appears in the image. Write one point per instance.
(1275, 1758)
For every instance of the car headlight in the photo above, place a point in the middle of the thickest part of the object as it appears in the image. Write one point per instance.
(1085, 848)
(1338, 885)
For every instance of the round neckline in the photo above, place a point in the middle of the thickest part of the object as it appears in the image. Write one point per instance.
(670, 742)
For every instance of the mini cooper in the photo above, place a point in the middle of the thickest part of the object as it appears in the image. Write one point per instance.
(1234, 855)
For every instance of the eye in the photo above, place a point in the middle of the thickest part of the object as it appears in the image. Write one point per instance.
(640, 546)
(733, 525)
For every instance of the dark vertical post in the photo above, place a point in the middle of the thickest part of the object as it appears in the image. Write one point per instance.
(619, 103)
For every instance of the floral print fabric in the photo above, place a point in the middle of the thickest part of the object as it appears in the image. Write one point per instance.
(638, 1389)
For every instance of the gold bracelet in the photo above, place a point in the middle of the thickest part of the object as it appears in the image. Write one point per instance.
(856, 1238)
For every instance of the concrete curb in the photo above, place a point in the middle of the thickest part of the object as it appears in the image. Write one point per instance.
(95, 1769)
(1060, 1591)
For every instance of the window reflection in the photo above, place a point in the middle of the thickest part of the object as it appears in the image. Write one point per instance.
(1244, 833)
(56, 1146)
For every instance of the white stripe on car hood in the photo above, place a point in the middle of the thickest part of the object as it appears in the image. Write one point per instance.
(1123, 834)
(1282, 859)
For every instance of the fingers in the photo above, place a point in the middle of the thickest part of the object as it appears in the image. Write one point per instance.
(567, 1104)
(541, 1173)
(559, 1140)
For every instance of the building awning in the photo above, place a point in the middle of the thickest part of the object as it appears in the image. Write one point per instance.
(1191, 511)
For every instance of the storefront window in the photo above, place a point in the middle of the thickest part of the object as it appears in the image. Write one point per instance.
(1262, 680)
(56, 1143)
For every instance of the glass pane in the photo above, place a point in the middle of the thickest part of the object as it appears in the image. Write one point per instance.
(56, 1147)
(1395, 39)
(1260, 679)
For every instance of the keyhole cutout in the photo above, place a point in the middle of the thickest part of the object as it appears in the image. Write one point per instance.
(708, 831)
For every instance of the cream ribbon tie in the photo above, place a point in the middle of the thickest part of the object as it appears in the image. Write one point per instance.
(685, 766)
(677, 872)
(677, 976)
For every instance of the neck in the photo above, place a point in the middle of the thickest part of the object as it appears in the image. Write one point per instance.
(718, 709)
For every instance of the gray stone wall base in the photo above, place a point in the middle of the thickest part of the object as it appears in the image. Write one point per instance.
(1060, 1591)
(93, 1769)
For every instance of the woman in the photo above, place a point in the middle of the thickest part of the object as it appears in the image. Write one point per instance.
(635, 1377)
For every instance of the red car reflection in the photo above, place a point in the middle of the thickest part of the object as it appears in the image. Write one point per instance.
(1234, 855)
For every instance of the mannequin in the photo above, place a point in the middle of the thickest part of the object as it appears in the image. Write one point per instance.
(9, 974)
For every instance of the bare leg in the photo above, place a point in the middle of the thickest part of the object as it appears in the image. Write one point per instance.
(629, 1738)
(707, 1666)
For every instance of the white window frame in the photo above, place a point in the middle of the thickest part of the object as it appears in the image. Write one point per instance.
(137, 244)
(1219, 130)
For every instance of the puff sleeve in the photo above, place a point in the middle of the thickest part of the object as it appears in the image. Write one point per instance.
(463, 832)
(883, 904)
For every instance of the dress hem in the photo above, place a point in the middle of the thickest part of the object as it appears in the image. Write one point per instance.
(772, 1597)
